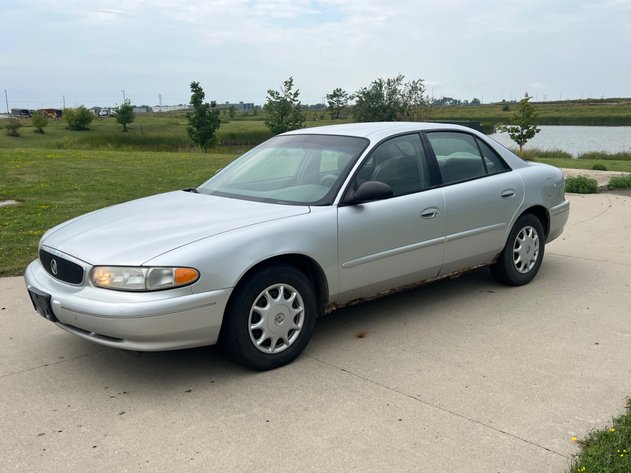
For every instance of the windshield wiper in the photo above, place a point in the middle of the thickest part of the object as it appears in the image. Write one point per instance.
(191, 189)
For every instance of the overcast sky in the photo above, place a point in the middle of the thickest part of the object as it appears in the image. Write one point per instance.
(90, 51)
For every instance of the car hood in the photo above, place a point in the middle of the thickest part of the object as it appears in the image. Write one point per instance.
(137, 231)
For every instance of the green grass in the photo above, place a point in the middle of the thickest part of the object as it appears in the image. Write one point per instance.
(599, 155)
(611, 165)
(608, 112)
(64, 173)
(149, 132)
(55, 185)
(534, 154)
(617, 162)
(607, 450)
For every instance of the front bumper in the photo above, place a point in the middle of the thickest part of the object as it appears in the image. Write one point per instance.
(147, 321)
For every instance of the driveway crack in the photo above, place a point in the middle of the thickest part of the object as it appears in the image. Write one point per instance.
(443, 409)
(45, 365)
(573, 224)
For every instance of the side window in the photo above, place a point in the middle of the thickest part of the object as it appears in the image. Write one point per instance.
(399, 162)
(458, 156)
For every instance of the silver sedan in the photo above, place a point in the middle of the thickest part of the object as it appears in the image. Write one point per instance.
(307, 222)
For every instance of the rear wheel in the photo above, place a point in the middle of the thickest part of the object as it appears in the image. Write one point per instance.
(270, 318)
(521, 258)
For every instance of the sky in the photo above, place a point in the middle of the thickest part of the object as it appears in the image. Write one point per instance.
(95, 52)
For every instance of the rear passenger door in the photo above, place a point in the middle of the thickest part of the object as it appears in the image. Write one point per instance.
(482, 195)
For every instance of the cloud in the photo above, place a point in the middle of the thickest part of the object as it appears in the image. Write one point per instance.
(241, 48)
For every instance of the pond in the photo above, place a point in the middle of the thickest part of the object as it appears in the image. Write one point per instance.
(576, 139)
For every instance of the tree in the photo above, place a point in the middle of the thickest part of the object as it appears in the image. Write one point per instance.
(283, 109)
(124, 114)
(203, 121)
(413, 101)
(391, 100)
(338, 101)
(13, 127)
(39, 119)
(232, 111)
(523, 122)
(79, 118)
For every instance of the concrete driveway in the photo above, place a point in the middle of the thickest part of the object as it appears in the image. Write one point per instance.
(462, 376)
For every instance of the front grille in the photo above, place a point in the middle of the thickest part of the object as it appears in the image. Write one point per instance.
(61, 268)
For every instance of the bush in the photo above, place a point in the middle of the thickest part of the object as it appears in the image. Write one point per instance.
(581, 185)
(13, 127)
(599, 167)
(39, 121)
(620, 182)
(79, 118)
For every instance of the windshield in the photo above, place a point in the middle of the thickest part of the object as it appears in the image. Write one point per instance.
(293, 169)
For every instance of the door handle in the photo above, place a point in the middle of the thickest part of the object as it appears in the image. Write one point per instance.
(508, 194)
(430, 212)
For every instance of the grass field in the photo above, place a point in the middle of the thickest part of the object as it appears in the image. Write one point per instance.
(62, 173)
(55, 185)
(612, 112)
(149, 132)
(167, 131)
(610, 164)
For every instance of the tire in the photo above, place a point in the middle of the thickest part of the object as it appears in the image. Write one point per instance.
(270, 318)
(521, 258)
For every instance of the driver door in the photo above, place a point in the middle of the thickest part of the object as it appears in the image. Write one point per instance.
(389, 243)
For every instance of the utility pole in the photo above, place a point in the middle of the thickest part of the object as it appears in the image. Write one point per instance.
(63, 97)
(123, 95)
(6, 98)
(160, 101)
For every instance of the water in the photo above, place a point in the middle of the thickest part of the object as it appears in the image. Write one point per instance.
(576, 139)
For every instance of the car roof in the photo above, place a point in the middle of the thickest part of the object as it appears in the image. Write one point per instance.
(375, 131)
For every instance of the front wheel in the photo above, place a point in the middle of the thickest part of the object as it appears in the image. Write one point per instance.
(270, 318)
(521, 258)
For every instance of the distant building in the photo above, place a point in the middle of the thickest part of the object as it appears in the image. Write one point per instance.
(170, 108)
(239, 107)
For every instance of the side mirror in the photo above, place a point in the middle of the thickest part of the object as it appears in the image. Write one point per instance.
(370, 191)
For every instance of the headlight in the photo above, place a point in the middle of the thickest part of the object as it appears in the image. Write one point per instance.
(124, 278)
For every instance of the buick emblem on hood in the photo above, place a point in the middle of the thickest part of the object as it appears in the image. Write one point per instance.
(53, 266)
